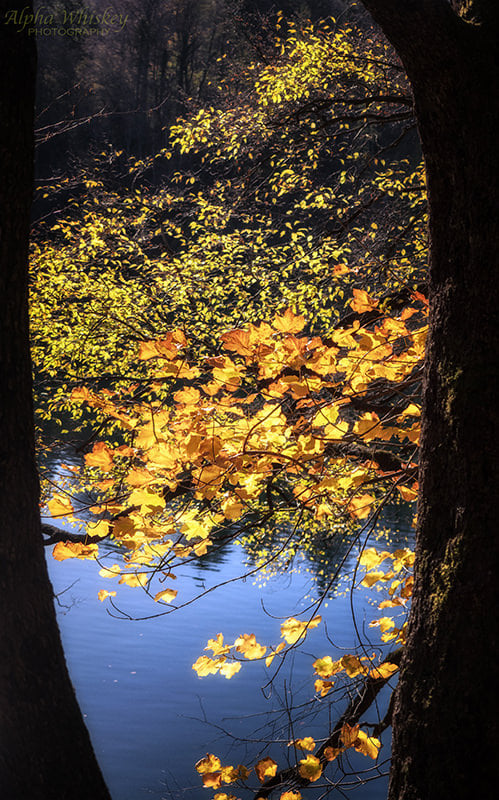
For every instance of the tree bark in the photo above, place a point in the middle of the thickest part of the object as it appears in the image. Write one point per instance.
(446, 723)
(45, 748)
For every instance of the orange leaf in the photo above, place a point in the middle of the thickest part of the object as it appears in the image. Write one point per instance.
(330, 753)
(167, 595)
(101, 456)
(362, 302)
(237, 340)
(265, 768)
(289, 322)
(212, 780)
(60, 506)
(64, 550)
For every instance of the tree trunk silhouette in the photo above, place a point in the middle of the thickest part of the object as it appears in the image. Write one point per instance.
(445, 732)
(45, 748)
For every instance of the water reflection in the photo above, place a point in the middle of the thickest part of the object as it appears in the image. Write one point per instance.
(151, 717)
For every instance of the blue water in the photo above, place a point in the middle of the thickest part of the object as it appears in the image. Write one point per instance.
(151, 718)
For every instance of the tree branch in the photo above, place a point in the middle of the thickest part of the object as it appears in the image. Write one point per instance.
(365, 697)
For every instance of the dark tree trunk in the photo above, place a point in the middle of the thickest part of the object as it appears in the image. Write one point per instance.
(446, 724)
(45, 751)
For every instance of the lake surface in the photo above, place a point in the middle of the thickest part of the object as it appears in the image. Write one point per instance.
(151, 717)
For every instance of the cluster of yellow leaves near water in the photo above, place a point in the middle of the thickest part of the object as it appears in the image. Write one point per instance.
(310, 767)
(279, 403)
(225, 660)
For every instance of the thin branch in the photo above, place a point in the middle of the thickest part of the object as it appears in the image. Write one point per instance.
(363, 700)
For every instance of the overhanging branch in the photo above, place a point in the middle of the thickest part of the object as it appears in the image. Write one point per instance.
(363, 700)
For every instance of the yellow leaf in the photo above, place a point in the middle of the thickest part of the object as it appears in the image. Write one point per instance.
(371, 578)
(64, 550)
(291, 796)
(134, 579)
(229, 668)
(206, 666)
(407, 493)
(217, 645)
(249, 647)
(201, 548)
(360, 506)
(323, 687)
(101, 529)
(229, 774)
(265, 768)
(352, 666)
(411, 411)
(167, 595)
(188, 396)
(293, 629)
(383, 671)
(326, 416)
(243, 772)
(270, 658)
(212, 780)
(307, 743)
(103, 593)
(208, 764)
(310, 768)
(383, 623)
(147, 500)
(60, 506)
(371, 557)
(325, 667)
(110, 572)
(367, 745)
(238, 341)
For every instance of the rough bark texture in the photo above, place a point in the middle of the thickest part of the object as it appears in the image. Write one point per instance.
(446, 725)
(45, 750)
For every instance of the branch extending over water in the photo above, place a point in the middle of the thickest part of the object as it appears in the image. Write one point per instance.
(365, 697)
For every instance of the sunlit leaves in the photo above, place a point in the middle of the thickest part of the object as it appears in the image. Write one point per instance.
(214, 774)
(60, 506)
(289, 322)
(352, 736)
(265, 768)
(310, 768)
(102, 594)
(293, 629)
(362, 302)
(385, 670)
(110, 572)
(217, 645)
(249, 647)
(305, 743)
(65, 550)
(166, 595)
(101, 456)
(360, 506)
